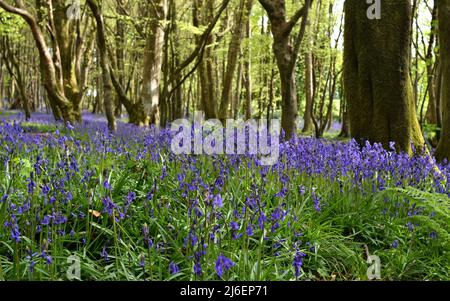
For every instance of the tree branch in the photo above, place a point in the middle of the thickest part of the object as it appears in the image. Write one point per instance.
(301, 13)
(268, 5)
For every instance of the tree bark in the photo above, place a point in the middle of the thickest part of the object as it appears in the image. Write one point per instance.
(16, 74)
(108, 101)
(431, 70)
(120, 53)
(443, 149)
(248, 74)
(153, 57)
(66, 40)
(308, 126)
(286, 56)
(377, 75)
(52, 83)
(234, 49)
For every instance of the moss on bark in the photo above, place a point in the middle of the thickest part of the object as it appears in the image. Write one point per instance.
(377, 75)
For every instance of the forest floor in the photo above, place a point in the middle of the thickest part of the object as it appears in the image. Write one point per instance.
(127, 208)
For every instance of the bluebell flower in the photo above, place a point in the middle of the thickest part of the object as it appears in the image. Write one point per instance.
(298, 262)
(249, 230)
(31, 267)
(234, 226)
(31, 185)
(107, 186)
(142, 260)
(198, 269)
(217, 201)
(316, 201)
(223, 264)
(394, 244)
(104, 254)
(261, 220)
(15, 234)
(173, 268)
(410, 226)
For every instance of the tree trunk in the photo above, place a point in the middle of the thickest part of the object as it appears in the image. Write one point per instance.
(286, 56)
(443, 149)
(66, 37)
(234, 49)
(237, 94)
(16, 76)
(308, 126)
(52, 84)
(248, 74)
(204, 16)
(120, 54)
(104, 63)
(377, 76)
(153, 57)
(431, 70)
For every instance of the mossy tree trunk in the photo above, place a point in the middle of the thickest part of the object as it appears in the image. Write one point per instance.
(67, 41)
(443, 149)
(377, 75)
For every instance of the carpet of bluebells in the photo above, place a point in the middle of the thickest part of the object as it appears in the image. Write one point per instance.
(129, 209)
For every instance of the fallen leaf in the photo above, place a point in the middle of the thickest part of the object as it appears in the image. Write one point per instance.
(95, 213)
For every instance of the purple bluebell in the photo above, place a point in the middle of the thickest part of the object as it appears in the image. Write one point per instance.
(223, 264)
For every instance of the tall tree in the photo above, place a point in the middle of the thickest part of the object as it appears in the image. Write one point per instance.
(234, 50)
(377, 74)
(202, 15)
(286, 53)
(153, 57)
(105, 65)
(443, 149)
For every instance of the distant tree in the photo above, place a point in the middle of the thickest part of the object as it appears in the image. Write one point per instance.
(286, 52)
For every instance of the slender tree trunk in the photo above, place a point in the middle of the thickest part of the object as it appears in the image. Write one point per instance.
(237, 94)
(431, 70)
(16, 74)
(120, 54)
(2, 85)
(234, 49)
(248, 74)
(108, 99)
(443, 149)
(153, 57)
(308, 126)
